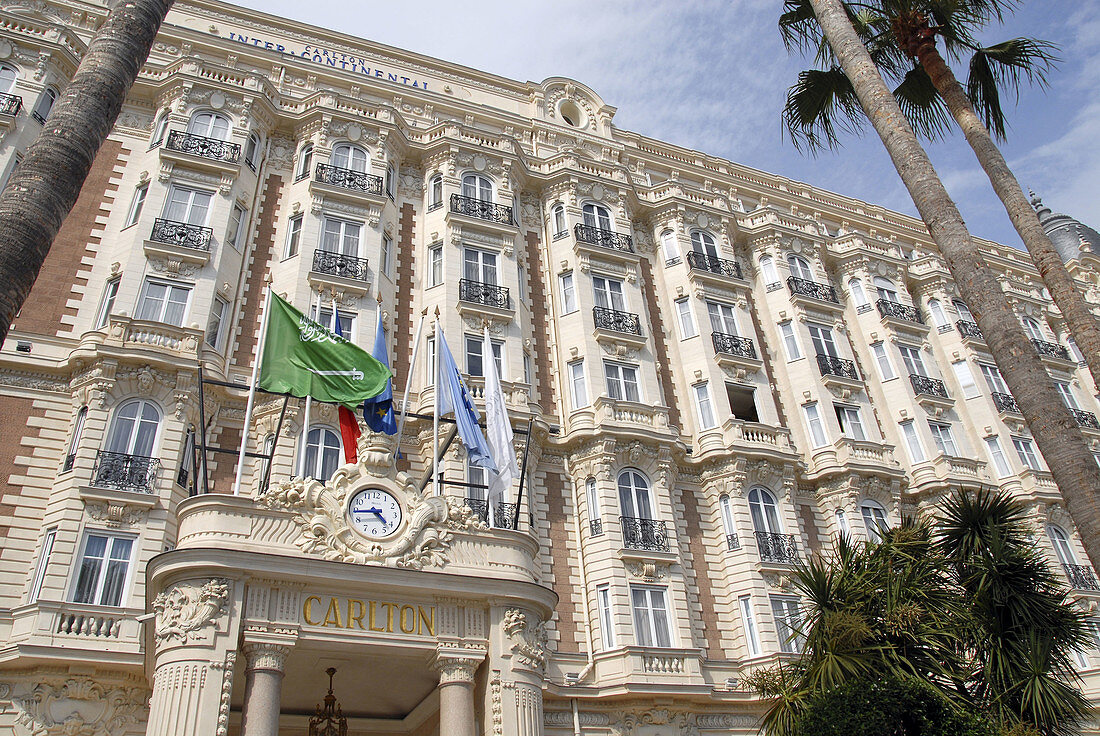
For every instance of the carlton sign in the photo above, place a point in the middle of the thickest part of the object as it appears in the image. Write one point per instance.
(383, 617)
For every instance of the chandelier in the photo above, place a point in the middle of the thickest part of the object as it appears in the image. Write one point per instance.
(329, 720)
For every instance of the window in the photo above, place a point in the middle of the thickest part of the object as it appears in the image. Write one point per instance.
(886, 289)
(609, 293)
(1075, 351)
(475, 356)
(104, 569)
(1032, 328)
(912, 442)
(742, 402)
(945, 442)
(577, 385)
(764, 512)
(597, 216)
(294, 236)
(134, 429)
(251, 150)
(842, 522)
(478, 479)
(669, 246)
(435, 264)
(322, 453)
(386, 254)
(44, 106)
(568, 294)
(521, 274)
(214, 324)
(800, 267)
(189, 206)
(435, 192)
(265, 463)
(874, 520)
(1062, 546)
(965, 377)
(340, 236)
(391, 177)
(650, 616)
(607, 625)
(790, 342)
(594, 516)
(110, 293)
(962, 310)
(814, 424)
(994, 378)
(479, 266)
(725, 505)
(477, 187)
(911, 357)
(1067, 395)
(159, 130)
(767, 268)
(210, 125)
(41, 564)
(164, 302)
(850, 423)
(305, 161)
(882, 360)
(1026, 452)
(822, 339)
(686, 318)
(936, 310)
(136, 205)
(748, 620)
(703, 404)
(74, 442)
(237, 220)
(8, 75)
(788, 624)
(350, 157)
(855, 290)
(527, 368)
(622, 381)
(324, 317)
(187, 461)
(429, 363)
(634, 495)
(15, 160)
(722, 318)
(1000, 463)
(702, 242)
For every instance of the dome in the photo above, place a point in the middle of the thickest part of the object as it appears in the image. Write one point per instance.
(1069, 236)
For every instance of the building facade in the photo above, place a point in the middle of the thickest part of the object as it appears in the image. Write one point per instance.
(721, 370)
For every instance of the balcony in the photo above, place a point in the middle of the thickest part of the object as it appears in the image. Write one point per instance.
(898, 311)
(355, 181)
(504, 514)
(838, 367)
(125, 472)
(179, 241)
(604, 238)
(339, 265)
(1081, 577)
(733, 345)
(812, 290)
(732, 542)
(647, 534)
(969, 330)
(222, 156)
(774, 547)
(489, 295)
(1005, 403)
(1085, 419)
(482, 210)
(615, 324)
(710, 264)
(925, 386)
(9, 107)
(1051, 350)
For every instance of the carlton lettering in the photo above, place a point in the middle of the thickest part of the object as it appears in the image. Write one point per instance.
(383, 617)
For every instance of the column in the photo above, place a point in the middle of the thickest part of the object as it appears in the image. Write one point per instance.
(456, 695)
(263, 688)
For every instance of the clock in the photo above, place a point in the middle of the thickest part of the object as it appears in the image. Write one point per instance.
(374, 513)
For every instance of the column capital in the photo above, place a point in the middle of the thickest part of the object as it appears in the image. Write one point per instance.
(455, 669)
(263, 655)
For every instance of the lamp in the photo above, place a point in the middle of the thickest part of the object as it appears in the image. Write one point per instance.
(330, 720)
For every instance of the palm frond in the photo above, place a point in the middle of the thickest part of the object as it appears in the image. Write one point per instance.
(821, 105)
(1005, 66)
(922, 105)
(798, 26)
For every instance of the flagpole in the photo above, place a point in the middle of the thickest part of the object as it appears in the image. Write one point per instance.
(252, 390)
(408, 381)
(304, 438)
(487, 355)
(435, 414)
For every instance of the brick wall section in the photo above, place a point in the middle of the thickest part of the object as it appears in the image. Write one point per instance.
(560, 547)
(403, 323)
(222, 468)
(664, 373)
(707, 605)
(16, 438)
(58, 281)
(258, 270)
(540, 301)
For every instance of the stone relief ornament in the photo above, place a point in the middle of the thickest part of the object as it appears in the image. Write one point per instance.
(186, 609)
(79, 706)
(654, 722)
(528, 641)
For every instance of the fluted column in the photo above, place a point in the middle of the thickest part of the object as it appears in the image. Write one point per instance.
(456, 695)
(263, 688)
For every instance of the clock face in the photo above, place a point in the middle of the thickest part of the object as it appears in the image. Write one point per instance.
(374, 513)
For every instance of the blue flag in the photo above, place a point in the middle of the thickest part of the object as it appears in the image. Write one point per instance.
(453, 396)
(378, 411)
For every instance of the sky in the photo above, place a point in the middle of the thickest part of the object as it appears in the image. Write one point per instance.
(712, 75)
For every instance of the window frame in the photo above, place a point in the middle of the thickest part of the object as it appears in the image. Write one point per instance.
(41, 564)
(323, 432)
(882, 361)
(224, 304)
(596, 215)
(568, 289)
(99, 588)
(621, 382)
(349, 153)
(913, 443)
(996, 453)
(169, 284)
(787, 625)
(764, 511)
(498, 355)
(815, 425)
(686, 318)
(647, 630)
(137, 204)
(233, 234)
(435, 264)
(294, 235)
(704, 406)
(875, 519)
(1025, 450)
(577, 378)
(193, 193)
(790, 341)
(474, 186)
(210, 129)
(849, 415)
(607, 619)
(107, 301)
(943, 438)
(748, 622)
(47, 99)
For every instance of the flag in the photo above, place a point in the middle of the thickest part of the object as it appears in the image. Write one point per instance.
(379, 411)
(302, 358)
(453, 396)
(349, 425)
(498, 431)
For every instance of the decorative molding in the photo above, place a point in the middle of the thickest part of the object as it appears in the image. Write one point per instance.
(186, 609)
(114, 514)
(528, 642)
(456, 670)
(80, 706)
(227, 668)
(262, 655)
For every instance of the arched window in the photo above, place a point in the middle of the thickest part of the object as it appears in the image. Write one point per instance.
(391, 180)
(842, 522)
(767, 268)
(936, 309)
(134, 429)
(210, 125)
(886, 289)
(800, 267)
(1062, 546)
(1032, 328)
(252, 150)
(74, 443)
(347, 156)
(725, 505)
(595, 518)
(597, 216)
(963, 310)
(476, 186)
(669, 245)
(8, 75)
(558, 217)
(160, 129)
(874, 520)
(634, 495)
(305, 161)
(855, 290)
(435, 189)
(322, 453)
(702, 242)
(44, 105)
(764, 512)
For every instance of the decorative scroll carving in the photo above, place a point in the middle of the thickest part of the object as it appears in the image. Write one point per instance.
(79, 706)
(186, 609)
(528, 641)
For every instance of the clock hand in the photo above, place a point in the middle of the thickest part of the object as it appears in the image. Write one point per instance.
(377, 512)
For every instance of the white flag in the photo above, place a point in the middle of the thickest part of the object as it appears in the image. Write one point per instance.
(498, 432)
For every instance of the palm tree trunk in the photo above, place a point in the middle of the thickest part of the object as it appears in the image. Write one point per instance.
(1082, 323)
(1055, 429)
(44, 187)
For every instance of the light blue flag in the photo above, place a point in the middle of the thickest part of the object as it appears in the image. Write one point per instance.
(378, 411)
(453, 396)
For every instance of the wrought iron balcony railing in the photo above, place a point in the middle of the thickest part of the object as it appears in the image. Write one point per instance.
(1081, 577)
(1051, 349)
(967, 328)
(181, 234)
(595, 527)
(200, 145)
(830, 366)
(703, 262)
(1005, 402)
(733, 345)
(897, 310)
(644, 534)
(560, 234)
(356, 181)
(604, 238)
(481, 209)
(490, 295)
(613, 319)
(732, 542)
(1085, 419)
(125, 472)
(776, 547)
(812, 289)
(70, 460)
(338, 264)
(928, 386)
(10, 104)
(504, 515)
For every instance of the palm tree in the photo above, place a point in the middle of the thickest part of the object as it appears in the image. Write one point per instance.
(901, 37)
(1055, 429)
(44, 186)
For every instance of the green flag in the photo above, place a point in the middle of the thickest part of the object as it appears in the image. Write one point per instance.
(302, 358)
